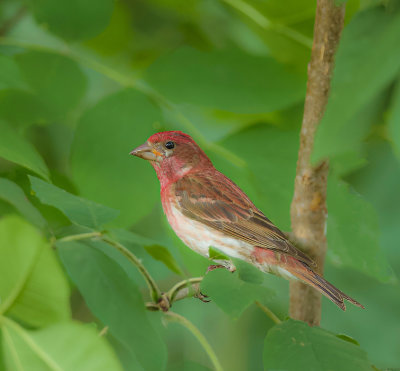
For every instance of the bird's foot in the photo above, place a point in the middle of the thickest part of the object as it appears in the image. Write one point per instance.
(227, 264)
(214, 266)
(202, 297)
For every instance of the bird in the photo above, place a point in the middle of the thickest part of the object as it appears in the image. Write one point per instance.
(207, 209)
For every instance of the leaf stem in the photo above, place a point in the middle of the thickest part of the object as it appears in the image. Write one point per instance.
(174, 317)
(269, 313)
(155, 292)
(80, 236)
(172, 293)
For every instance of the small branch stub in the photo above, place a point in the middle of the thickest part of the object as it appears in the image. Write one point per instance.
(308, 209)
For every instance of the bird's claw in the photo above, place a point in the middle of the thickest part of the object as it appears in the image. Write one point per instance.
(226, 264)
(202, 297)
(214, 266)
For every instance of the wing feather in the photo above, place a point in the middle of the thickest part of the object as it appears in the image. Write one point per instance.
(214, 200)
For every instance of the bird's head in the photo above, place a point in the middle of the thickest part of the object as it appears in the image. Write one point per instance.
(172, 154)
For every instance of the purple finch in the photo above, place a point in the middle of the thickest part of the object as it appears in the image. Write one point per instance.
(206, 209)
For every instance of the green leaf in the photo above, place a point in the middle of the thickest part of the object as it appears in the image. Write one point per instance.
(77, 209)
(62, 346)
(119, 34)
(213, 124)
(287, 29)
(186, 365)
(20, 245)
(126, 236)
(215, 254)
(359, 76)
(295, 346)
(162, 254)
(353, 232)
(131, 242)
(58, 81)
(248, 272)
(45, 296)
(15, 148)
(74, 19)
(101, 165)
(271, 155)
(230, 293)
(126, 357)
(348, 156)
(146, 250)
(394, 119)
(348, 338)
(227, 80)
(35, 289)
(22, 108)
(10, 75)
(13, 194)
(114, 298)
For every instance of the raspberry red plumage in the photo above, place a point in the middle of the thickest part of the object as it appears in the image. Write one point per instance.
(205, 208)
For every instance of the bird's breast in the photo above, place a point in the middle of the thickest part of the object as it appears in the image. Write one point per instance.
(200, 237)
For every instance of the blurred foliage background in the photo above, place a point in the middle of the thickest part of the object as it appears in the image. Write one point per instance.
(84, 82)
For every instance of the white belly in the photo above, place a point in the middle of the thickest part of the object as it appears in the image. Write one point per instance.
(199, 237)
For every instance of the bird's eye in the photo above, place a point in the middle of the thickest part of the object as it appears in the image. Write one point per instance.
(169, 145)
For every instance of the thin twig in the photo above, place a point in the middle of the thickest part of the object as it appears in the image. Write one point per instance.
(308, 209)
(269, 313)
(155, 292)
(183, 289)
(80, 236)
(103, 331)
(153, 307)
(174, 317)
(180, 286)
(177, 292)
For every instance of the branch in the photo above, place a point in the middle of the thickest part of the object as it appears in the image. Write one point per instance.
(80, 236)
(308, 209)
(154, 290)
(269, 313)
(182, 289)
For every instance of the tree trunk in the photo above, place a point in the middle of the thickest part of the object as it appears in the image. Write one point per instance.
(308, 209)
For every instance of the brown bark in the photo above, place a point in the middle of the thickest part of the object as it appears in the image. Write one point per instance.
(308, 209)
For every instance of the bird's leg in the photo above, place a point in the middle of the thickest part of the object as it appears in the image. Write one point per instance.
(202, 297)
(214, 266)
(227, 264)
(222, 264)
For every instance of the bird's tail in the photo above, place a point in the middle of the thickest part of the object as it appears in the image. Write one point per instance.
(308, 276)
(291, 268)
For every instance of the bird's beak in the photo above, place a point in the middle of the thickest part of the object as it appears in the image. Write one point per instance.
(147, 152)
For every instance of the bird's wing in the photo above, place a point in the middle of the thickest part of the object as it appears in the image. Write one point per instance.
(214, 200)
